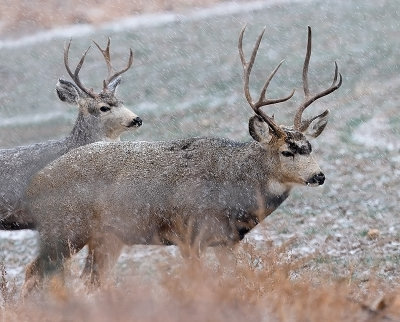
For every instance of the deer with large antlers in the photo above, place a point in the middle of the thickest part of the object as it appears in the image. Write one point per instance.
(101, 117)
(198, 192)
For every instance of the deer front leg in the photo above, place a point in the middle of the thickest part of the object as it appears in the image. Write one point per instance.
(103, 253)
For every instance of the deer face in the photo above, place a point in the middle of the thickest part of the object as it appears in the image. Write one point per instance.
(104, 109)
(107, 113)
(293, 152)
(296, 161)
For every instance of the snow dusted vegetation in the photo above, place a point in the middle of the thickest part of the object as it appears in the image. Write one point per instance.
(187, 81)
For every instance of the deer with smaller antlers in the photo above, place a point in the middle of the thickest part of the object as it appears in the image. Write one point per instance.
(101, 117)
(197, 191)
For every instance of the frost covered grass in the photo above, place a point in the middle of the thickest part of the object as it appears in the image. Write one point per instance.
(244, 284)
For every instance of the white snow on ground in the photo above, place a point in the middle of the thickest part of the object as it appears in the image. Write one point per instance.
(375, 133)
(17, 234)
(31, 119)
(142, 21)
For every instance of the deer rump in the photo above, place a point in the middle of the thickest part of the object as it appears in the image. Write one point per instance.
(146, 193)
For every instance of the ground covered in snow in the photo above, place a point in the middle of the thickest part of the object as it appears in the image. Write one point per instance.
(186, 81)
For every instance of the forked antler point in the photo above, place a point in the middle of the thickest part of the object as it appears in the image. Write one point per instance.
(106, 54)
(262, 100)
(302, 125)
(75, 75)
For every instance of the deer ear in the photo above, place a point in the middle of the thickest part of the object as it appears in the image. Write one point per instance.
(67, 92)
(112, 87)
(317, 125)
(259, 130)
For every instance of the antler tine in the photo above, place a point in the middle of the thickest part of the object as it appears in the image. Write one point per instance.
(307, 63)
(262, 101)
(107, 57)
(130, 62)
(75, 75)
(302, 125)
(248, 66)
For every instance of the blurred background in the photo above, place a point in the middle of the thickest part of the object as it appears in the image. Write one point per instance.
(24, 17)
(187, 81)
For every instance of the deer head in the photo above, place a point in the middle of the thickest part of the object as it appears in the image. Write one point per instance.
(104, 106)
(288, 143)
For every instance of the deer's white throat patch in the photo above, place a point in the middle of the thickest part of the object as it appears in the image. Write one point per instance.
(277, 188)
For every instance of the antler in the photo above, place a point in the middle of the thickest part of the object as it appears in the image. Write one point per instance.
(106, 54)
(74, 75)
(302, 125)
(262, 100)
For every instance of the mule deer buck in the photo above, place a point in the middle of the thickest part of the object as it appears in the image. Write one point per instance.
(197, 191)
(101, 117)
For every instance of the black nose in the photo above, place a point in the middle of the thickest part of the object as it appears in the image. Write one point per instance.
(136, 122)
(319, 178)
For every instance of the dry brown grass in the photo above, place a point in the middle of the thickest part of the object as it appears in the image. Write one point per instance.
(240, 286)
(25, 16)
(8, 289)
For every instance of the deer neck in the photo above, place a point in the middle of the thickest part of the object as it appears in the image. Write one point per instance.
(87, 129)
(271, 187)
(264, 190)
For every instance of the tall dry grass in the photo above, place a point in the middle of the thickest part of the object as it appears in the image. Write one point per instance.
(242, 285)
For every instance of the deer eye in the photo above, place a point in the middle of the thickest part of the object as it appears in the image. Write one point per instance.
(105, 108)
(287, 154)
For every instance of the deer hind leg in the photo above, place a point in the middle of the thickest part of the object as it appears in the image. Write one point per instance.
(48, 267)
(36, 271)
(103, 253)
(33, 278)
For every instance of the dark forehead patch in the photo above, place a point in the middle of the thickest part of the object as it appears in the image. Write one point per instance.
(294, 136)
(303, 147)
(109, 98)
(298, 143)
